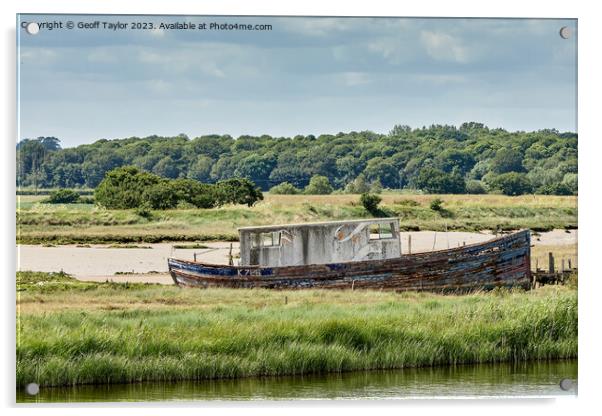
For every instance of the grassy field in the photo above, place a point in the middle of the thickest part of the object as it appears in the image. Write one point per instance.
(71, 332)
(40, 223)
(539, 256)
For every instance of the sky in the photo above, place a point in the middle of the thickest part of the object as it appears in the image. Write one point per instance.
(307, 75)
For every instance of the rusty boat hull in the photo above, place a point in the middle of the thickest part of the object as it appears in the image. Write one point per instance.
(500, 262)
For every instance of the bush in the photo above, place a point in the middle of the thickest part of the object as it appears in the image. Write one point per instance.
(195, 193)
(144, 211)
(370, 203)
(437, 204)
(86, 200)
(555, 189)
(407, 203)
(285, 188)
(376, 187)
(475, 187)
(125, 188)
(318, 185)
(238, 191)
(63, 196)
(161, 195)
(512, 183)
(570, 180)
(357, 186)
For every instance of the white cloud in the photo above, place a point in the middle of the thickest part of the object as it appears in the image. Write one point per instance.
(159, 86)
(158, 33)
(444, 47)
(320, 26)
(38, 56)
(102, 55)
(352, 79)
(441, 79)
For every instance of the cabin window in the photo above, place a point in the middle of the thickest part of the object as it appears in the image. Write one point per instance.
(384, 231)
(255, 240)
(270, 239)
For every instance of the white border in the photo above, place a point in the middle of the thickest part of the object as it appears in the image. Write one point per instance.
(589, 201)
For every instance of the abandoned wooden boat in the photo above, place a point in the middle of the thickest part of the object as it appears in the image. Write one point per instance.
(358, 254)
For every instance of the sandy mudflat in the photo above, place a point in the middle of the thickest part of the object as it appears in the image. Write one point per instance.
(100, 263)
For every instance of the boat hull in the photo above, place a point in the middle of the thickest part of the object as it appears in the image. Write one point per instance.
(501, 262)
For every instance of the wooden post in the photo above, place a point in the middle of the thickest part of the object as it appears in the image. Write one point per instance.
(562, 266)
(194, 254)
(409, 243)
(352, 284)
(463, 243)
(434, 241)
(570, 265)
(286, 300)
(230, 260)
(533, 280)
(446, 236)
(536, 264)
(550, 262)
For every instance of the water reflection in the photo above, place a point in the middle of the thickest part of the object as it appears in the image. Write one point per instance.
(538, 379)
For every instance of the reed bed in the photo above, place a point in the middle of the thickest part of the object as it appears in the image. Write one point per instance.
(85, 333)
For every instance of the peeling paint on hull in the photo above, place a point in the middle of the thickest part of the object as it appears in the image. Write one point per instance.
(504, 261)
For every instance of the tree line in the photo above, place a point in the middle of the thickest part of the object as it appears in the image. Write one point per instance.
(471, 158)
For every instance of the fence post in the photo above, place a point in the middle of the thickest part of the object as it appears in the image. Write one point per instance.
(562, 266)
(194, 254)
(409, 243)
(550, 262)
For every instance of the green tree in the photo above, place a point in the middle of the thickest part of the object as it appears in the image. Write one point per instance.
(512, 183)
(166, 168)
(507, 160)
(200, 169)
(257, 168)
(453, 159)
(318, 185)
(382, 170)
(475, 187)
(238, 191)
(570, 180)
(435, 181)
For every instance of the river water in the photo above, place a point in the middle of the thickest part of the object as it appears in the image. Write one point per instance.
(533, 379)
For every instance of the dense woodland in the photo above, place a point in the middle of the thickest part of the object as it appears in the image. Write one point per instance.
(437, 159)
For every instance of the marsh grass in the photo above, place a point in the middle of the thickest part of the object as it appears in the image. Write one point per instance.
(107, 333)
(87, 224)
(190, 246)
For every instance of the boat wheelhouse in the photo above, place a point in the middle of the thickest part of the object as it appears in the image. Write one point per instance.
(320, 242)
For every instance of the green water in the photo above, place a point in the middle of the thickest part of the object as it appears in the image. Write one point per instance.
(536, 379)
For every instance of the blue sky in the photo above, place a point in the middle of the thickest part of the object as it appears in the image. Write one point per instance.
(305, 76)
